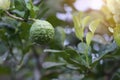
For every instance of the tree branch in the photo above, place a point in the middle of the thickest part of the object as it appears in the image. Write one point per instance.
(18, 18)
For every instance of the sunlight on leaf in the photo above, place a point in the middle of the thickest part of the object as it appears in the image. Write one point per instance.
(110, 29)
(52, 64)
(79, 31)
(54, 51)
(93, 25)
(85, 21)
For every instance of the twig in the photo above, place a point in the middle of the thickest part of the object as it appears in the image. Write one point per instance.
(13, 16)
(18, 18)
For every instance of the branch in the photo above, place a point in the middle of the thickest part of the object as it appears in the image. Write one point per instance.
(18, 18)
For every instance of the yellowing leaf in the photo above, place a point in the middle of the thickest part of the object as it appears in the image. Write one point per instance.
(116, 34)
(89, 37)
(93, 25)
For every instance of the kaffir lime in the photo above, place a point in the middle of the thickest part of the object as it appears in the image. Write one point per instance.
(41, 32)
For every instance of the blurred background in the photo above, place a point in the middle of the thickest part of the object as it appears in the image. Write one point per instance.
(62, 58)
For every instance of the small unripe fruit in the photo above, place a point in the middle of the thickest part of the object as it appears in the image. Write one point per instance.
(41, 32)
(4, 4)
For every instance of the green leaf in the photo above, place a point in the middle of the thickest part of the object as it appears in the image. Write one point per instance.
(20, 5)
(30, 6)
(85, 21)
(52, 19)
(116, 34)
(103, 53)
(89, 37)
(93, 25)
(24, 30)
(42, 10)
(51, 50)
(79, 30)
(66, 55)
(59, 38)
(47, 65)
(82, 47)
(42, 13)
(73, 53)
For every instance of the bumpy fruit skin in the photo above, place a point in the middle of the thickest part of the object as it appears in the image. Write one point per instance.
(41, 32)
(4, 4)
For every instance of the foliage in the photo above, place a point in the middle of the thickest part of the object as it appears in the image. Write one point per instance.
(75, 53)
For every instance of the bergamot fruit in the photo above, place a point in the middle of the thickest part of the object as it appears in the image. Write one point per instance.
(41, 32)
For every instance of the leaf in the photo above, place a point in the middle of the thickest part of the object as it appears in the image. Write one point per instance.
(19, 5)
(30, 7)
(108, 48)
(66, 55)
(72, 67)
(89, 37)
(24, 31)
(82, 47)
(52, 19)
(54, 51)
(110, 29)
(73, 53)
(79, 31)
(93, 25)
(52, 64)
(59, 38)
(100, 39)
(42, 13)
(76, 63)
(42, 10)
(116, 34)
(85, 21)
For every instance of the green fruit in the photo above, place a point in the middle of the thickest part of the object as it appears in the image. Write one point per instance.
(4, 4)
(41, 32)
